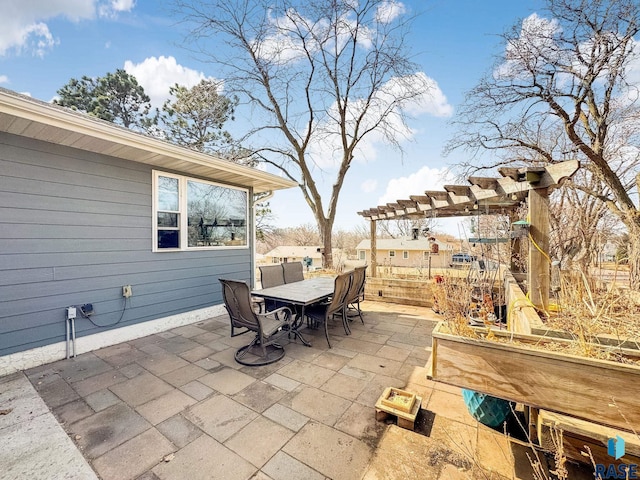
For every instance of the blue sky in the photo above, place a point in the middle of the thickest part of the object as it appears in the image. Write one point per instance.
(45, 43)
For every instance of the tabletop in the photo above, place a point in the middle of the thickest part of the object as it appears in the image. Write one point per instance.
(304, 292)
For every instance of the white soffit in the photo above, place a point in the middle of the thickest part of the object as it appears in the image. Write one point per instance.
(24, 116)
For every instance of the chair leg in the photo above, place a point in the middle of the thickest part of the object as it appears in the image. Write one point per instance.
(258, 353)
(345, 320)
(359, 311)
(326, 331)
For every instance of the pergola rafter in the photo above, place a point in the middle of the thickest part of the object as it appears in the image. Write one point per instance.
(490, 196)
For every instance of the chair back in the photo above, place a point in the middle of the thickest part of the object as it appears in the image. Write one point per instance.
(340, 290)
(354, 287)
(237, 301)
(361, 277)
(271, 275)
(292, 272)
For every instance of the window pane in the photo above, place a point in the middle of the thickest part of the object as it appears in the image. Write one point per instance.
(167, 219)
(215, 215)
(167, 193)
(168, 239)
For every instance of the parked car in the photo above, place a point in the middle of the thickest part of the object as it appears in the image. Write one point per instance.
(462, 259)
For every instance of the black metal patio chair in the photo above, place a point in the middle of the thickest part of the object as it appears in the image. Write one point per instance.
(268, 327)
(322, 312)
(356, 293)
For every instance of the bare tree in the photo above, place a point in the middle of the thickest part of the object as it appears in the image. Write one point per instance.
(579, 222)
(322, 75)
(562, 89)
(407, 227)
(302, 235)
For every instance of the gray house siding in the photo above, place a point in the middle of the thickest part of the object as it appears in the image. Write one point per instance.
(74, 228)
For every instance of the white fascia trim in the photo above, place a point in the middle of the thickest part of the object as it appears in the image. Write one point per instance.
(54, 116)
(58, 351)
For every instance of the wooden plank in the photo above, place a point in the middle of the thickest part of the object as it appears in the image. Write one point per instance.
(458, 190)
(580, 441)
(429, 367)
(595, 432)
(581, 387)
(539, 269)
(513, 173)
(373, 234)
(498, 194)
(480, 193)
(437, 194)
(485, 183)
(488, 240)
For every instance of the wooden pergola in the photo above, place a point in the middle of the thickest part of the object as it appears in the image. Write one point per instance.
(491, 196)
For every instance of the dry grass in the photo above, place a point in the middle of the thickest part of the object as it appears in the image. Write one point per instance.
(601, 319)
(588, 308)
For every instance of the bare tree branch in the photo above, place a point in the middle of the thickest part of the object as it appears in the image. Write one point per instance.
(321, 76)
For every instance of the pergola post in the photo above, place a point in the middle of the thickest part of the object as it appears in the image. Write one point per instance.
(539, 271)
(516, 245)
(374, 254)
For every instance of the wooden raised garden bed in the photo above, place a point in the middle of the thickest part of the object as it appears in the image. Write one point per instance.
(515, 367)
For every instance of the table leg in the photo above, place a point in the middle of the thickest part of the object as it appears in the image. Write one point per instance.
(296, 326)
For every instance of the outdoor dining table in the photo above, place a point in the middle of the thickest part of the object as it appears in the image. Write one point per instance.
(302, 293)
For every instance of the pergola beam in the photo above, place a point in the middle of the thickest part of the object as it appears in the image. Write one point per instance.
(487, 195)
(491, 195)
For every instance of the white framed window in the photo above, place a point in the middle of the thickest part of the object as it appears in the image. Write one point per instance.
(362, 255)
(194, 214)
(425, 254)
(405, 255)
(392, 253)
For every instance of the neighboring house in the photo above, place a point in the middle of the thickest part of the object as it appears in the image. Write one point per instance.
(407, 252)
(88, 208)
(607, 252)
(294, 253)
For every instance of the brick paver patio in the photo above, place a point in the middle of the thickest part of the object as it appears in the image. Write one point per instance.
(176, 405)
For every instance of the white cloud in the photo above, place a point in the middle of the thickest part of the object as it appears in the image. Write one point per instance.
(4, 79)
(535, 44)
(282, 43)
(24, 28)
(432, 101)
(631, 92)
(326, 151)
(157, 74)
(123, 5)
(415, 184)
(389, 10)
(111, 8)
(369, 185)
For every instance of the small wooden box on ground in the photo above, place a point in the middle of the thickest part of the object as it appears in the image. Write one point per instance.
(400, 403)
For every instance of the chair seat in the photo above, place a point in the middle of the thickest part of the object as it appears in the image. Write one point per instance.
(270, 326)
